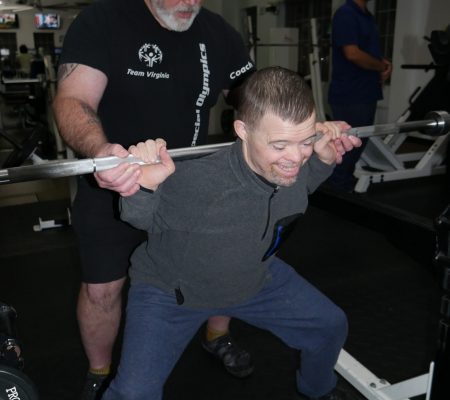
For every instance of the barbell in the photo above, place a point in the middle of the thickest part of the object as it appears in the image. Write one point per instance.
(436, 123)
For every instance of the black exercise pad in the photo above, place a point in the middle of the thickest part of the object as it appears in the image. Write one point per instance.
(416, 201)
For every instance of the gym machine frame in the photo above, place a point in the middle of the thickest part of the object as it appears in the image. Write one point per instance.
(437, 123)
(382, 153)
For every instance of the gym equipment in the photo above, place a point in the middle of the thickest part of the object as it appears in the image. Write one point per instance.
(53, 223)
(10, 352)
(381, 161)
(14, 384)
(31, 147)
(437, 123)
(441, 384)
(315, 75)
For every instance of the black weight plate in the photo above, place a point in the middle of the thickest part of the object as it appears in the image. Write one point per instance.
(14, 385)
(19, 156)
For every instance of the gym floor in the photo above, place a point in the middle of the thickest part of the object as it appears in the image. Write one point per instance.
(375, 261)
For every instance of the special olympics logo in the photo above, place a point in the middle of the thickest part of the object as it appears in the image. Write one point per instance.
(150, 54)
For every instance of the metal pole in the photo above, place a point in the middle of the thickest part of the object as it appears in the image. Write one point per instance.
(438, 124)
(65, 168)
(394, 128)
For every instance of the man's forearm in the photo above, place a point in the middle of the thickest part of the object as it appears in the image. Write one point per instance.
(363, 59)
(79, 126)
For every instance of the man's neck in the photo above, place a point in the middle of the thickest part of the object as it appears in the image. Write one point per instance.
(362, 4)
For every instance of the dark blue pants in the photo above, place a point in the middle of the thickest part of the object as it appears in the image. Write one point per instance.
(158, 330)
(342, 179)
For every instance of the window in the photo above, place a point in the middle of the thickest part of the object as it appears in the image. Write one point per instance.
(385, 17)
(298, 15)
(8, 40)
(250, 30)
(44, 41)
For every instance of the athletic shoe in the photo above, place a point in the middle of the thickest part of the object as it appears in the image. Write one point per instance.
(94, 386)
(236, 361)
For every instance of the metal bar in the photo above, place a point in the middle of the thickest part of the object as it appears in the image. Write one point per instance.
(408, 388)
(360, 377)
(374, 388)
(438, 125)
(65, 168)
(394, 128)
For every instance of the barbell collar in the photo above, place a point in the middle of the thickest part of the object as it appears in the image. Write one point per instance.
(436, 124)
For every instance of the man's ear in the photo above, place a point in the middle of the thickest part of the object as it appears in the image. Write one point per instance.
(239, 128)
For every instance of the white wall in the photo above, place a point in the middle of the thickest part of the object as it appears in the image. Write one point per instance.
(214, 5)
(414, 20)
(266, 21)
(231, 10)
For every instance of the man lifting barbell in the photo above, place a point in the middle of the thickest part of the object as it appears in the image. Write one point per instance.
(211, 242)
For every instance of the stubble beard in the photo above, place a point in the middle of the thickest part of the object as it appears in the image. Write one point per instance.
(279, 180)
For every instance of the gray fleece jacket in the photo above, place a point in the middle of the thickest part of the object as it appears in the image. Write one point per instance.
(213, 227)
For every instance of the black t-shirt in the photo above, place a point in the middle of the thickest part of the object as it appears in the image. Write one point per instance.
(161, 83)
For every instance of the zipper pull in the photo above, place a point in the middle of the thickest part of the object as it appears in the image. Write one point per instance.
(179, 296)
(275, 190)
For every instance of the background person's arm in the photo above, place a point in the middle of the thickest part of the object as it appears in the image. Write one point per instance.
(364, 60)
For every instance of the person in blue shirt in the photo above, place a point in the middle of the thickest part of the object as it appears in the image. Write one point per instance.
(359, 70)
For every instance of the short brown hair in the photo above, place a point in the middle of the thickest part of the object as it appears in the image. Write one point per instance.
(276, 90)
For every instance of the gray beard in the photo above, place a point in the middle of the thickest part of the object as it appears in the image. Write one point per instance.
(168, 18)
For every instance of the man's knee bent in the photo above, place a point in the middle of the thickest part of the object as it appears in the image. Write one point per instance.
(336, 325)
(102, 295)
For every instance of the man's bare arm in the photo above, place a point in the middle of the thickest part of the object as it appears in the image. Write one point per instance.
(80, 89)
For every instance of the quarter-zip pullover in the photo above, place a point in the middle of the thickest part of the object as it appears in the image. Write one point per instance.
(213, 226)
